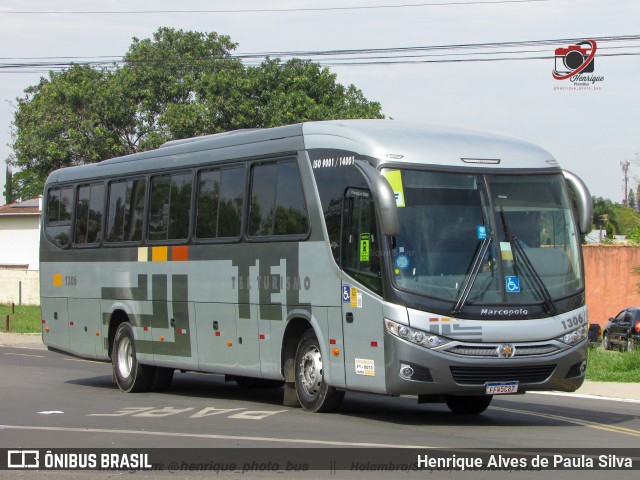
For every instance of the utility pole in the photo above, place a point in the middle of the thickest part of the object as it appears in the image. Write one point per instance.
(625, 180)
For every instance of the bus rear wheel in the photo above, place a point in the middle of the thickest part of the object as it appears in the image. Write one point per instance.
(314, 394)
(468, 404)
(130, 376)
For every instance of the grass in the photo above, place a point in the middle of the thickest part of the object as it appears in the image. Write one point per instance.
(613, 366)
(609, 366)
(25, 319)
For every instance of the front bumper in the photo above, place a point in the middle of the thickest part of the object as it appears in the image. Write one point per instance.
(437, 372)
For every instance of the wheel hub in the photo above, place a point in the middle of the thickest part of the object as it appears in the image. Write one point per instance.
(311, 371)
(125, 357)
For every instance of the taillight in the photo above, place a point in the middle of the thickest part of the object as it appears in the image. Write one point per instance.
(637, 327)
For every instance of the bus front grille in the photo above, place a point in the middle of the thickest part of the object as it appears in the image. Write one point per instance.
(482, 375)
(529, 350)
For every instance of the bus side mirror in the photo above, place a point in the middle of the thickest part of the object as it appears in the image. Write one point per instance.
(583, 201)
(384, 198)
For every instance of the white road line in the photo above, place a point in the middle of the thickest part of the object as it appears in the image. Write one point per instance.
(575, 421)
(588, 396)
(23, 355)
(213, 437)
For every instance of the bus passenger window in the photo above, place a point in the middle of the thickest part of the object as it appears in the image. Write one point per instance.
(58, 220)
(89, 208)
(220, 201)
(277, 201)
(126, 209)
(170, 207)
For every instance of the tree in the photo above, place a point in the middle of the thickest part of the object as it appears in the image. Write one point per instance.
(638, 198)
(60, 123)
(631, 199)
(177, 84)
(8, 186)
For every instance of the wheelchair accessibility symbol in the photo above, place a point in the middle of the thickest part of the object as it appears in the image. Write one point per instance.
(346, 294)
(512, 284)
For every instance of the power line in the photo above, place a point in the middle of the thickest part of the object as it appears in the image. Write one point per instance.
(267, 10)
(454, 53)
(462, 46)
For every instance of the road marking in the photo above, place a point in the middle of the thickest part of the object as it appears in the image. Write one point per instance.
(589, 396)
(575, 421)
(153, 412)
(24, 355)
(214, 437)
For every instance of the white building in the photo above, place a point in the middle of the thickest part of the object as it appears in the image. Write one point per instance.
(19, 252)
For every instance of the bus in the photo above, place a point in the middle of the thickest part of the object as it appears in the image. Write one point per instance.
(324, 257)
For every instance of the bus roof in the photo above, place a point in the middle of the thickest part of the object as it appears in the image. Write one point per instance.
(383, 141)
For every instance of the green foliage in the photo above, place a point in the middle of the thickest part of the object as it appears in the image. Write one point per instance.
(22, 319)
(615, 218)
(8, 186)
(613, 366)
(175, 85)
(634, 236)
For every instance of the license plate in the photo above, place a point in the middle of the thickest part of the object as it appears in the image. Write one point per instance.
(502, 388)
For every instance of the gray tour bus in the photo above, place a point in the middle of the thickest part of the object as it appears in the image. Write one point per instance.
(360, 255)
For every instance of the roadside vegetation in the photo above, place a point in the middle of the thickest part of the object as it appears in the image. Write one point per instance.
(613, 365)
(22, 318)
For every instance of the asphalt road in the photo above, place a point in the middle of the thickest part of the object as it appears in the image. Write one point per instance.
(53, 401)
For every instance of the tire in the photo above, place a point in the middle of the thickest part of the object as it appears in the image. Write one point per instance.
(161, 379)
(314, 394)
(130, 376)
(631, 344)
(468, 404)
(606, 342)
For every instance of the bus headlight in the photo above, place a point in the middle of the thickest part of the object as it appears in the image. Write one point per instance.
(413, 335)
(574, 336)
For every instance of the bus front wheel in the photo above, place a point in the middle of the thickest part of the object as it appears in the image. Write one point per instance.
(468, 404)
(130, 375)
(314, 394)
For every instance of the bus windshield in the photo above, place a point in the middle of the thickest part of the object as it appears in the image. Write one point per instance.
(485, 238)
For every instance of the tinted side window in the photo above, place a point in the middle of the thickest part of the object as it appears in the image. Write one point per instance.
(277, 201)
(220, 201)
(335, 172)
(361, 255)
(126, 210)
(89, 212)
(170, 207)
(58, 217)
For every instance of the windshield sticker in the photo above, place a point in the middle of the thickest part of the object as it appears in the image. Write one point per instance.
(364, 247)
(512, 284)
(402, 262)
(482, 232)
(365, 367)
(505, 250)
(394, 177)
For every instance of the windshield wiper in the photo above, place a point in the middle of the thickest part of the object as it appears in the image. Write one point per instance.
(516, 247)
(476, 265)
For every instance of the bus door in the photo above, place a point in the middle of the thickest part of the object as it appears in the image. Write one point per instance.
(362, 320)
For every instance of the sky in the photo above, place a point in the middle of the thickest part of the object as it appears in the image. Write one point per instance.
(589, 131)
